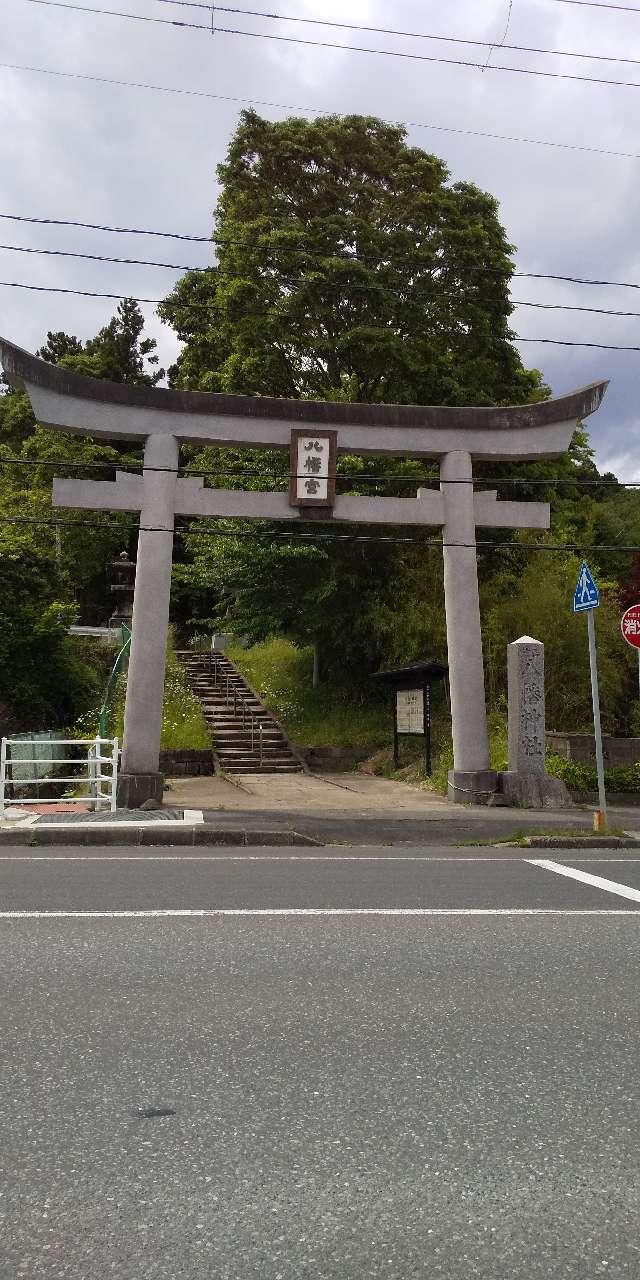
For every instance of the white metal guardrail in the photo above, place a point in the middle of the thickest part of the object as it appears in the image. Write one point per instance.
(97, 779)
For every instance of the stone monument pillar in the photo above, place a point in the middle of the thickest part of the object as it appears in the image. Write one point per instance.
(526, 783)
(525, 678)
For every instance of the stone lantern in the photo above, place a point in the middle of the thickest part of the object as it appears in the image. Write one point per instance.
(123, 575)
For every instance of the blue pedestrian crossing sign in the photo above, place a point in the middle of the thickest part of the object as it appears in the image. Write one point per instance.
(586, 594)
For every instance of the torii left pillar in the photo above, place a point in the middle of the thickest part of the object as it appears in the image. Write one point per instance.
(139, 778)
(470, 779)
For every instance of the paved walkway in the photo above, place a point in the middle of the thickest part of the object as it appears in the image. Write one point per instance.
(355, 808)
(353, 793)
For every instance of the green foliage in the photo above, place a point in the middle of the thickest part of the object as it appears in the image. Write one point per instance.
(118, 352)
(349, 267)
(583, 778)
(47, 577)
(43, 683)
(183, 724)
(281, 674)
(536, 599)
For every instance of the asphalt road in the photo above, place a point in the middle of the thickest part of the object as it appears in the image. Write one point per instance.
(454, 828)
(352, 1095)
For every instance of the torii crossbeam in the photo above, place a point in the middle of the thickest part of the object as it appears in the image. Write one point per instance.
(162, 418)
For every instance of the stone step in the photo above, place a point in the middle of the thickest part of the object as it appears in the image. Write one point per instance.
(219, 707)
(264, 768)
(246, 762)
(231, 711)
(219, 685)
(235, 737)
(231, 723)
(219, 700)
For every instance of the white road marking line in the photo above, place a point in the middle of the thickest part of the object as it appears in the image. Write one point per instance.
(218, 912)
(596, 882)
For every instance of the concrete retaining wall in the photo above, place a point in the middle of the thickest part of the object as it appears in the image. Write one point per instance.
(580, 747)
(333, 759)
(186, 764)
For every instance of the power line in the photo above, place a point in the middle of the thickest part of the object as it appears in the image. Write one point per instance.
(283, 106)
(276, 248)
(241, 473)
(599, 4)
(501, 43)
(100, 226)
(408, 35)
(98, 257)
(317, 537)
(348, 286)
(92, 293)
(351, 48)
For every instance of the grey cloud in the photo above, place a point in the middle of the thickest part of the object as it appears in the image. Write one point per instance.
(129, 157)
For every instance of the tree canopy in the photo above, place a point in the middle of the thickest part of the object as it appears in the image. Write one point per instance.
(49, 576)
(349, 266)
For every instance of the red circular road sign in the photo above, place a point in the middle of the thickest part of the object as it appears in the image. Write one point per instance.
(630, 626)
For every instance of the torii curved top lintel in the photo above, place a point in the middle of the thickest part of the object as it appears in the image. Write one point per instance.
(68, 400)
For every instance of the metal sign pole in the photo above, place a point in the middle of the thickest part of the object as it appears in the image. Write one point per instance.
(591, 627)
(426, 724)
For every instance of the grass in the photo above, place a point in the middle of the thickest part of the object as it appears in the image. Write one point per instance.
(413, 772)
(521, 838)
(183, 724)
(281, 674)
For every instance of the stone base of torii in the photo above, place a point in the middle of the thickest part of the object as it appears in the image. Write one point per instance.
(161, 418)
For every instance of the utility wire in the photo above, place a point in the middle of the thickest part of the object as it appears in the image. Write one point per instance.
(92, 293)
(501, 43)
(100, 226)
(241, 473)
(599, 4)
(345, 286)
(283, 106)
(277, 248)
(407, 35)
(315, 537)
(351, 48)
(348, 259)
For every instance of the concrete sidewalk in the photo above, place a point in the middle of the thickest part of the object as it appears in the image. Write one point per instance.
(352, 793)
(358, 809)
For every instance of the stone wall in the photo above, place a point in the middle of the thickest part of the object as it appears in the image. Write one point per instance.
(580, 747)
(333, 759)
(186, 764)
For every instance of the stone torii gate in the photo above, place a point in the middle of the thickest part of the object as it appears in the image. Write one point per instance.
(160, 419)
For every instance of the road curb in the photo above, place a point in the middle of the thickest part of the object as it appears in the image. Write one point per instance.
(199, 836)
(582, 842)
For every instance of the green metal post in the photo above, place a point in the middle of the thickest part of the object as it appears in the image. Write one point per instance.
(103, 716)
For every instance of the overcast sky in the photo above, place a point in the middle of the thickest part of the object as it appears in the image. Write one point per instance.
(96, 152)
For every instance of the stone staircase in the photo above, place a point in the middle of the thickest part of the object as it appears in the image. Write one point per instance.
(246, 737)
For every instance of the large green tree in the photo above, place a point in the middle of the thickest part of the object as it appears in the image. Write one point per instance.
(348, 265)
(49, 576)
